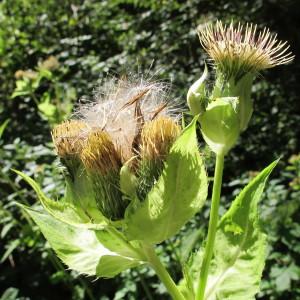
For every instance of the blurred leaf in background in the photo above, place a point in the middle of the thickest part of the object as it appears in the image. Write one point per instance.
(54, 52)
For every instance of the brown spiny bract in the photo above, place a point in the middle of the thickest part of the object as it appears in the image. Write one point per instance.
(69, 138)
(157, 137)
(99, 154)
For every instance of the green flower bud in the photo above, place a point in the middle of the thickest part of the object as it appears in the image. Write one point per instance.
(128, 181)
(220, 124)
(196, 96)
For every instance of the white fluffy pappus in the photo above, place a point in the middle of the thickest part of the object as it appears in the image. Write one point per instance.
(121, 106)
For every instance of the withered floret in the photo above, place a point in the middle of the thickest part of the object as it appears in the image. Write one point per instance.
(157, 137)
(100, 154)
(69, 138)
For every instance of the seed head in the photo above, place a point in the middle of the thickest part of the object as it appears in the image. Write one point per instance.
(157, 137)
(122, 106)
(69, 138)
(237, 50)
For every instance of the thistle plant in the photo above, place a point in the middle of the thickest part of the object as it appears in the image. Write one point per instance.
(134, 177)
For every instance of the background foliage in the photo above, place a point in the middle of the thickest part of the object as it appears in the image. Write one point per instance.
(54, 52)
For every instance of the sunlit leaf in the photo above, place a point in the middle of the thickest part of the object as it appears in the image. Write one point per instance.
(63, 211)
(240, 247)
(179, 193)
(87, 251)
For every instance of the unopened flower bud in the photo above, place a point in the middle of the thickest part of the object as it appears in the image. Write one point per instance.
(196, 96)
(128, 181)
(220, 124)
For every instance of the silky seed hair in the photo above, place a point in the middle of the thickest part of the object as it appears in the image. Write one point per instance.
(239, 49)
(121, 106)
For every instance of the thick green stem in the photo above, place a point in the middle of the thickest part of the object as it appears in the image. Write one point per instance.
(162, 273)
(212, 227)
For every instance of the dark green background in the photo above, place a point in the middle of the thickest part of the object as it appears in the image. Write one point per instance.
(93, 38)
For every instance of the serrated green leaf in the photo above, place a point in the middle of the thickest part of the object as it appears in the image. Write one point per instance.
(179, 193)
(87, 251)
(240, 245)
(64, 211)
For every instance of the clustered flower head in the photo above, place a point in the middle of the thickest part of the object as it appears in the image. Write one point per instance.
(239, 49)
(238, 53)
(128, 121)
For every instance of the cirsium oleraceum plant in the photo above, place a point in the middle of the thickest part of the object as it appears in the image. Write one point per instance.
(134, 176)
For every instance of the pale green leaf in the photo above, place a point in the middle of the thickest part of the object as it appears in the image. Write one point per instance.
(240, 247)
(220, 125)
(178, 194)
(87, 251)
(65, 210)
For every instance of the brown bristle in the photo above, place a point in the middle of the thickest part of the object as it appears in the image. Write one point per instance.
(69, 137)
(157, 137)
(100, 154)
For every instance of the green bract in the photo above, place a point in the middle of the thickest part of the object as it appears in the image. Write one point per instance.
(87, 251)
(240, 88)
(220, 124)
(177, 195)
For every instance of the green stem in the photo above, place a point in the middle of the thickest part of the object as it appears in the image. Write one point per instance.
(162, 273)
(212, 227)
(125, 243)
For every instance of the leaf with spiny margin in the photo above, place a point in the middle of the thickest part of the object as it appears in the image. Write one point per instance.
(178, 194)
(65, 210)
(240, 246)
(90, 252)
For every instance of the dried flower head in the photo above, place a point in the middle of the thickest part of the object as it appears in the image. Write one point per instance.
(122, 106)
(69, 138)
(99, 154)
(102, 162)
(239, 49)
(157, 137)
